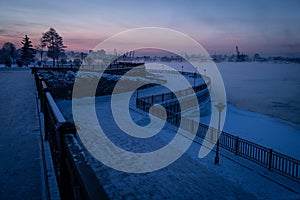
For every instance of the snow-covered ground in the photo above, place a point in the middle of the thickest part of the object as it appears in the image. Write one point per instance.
(187, 178)
(280, 135)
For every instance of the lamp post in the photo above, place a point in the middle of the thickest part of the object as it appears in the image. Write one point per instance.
(220, 107)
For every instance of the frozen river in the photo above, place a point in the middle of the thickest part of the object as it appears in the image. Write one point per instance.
(268, 88)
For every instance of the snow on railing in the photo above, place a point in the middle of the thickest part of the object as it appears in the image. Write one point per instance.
(75, 177)
(164, 97)
(280, 163)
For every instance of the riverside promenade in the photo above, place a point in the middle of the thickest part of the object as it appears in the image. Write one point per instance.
(21, 172)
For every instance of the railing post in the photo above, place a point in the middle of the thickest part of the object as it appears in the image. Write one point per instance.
(44, 90)
(236, 145)
(63, 176)
(297, 171)
(270, 159)
(177, 119)
(39, 84)
(36, 77)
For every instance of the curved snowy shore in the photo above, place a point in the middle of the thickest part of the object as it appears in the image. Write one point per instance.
(271, 132)
(263, 87)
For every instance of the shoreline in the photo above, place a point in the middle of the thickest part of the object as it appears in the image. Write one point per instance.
(270, 132)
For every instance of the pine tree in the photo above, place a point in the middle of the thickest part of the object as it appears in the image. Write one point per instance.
(54, 43)
(27, 52)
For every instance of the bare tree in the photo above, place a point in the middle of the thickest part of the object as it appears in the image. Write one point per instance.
(54, 43)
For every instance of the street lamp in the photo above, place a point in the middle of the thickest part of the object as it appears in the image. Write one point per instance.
(220, 107)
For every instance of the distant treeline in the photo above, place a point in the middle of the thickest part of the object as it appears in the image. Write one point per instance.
(51, 47)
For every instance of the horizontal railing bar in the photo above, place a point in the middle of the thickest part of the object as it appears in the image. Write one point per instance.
(56, 112)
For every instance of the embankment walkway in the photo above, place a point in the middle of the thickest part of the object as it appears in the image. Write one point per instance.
(20, 149)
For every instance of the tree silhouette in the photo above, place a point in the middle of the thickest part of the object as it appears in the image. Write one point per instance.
(9, 53)
(27, 52)
(54, 43)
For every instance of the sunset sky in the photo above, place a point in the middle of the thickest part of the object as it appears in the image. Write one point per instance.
(265, 27)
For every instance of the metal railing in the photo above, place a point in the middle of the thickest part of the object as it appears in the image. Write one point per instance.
(159, 98)
(75, 177)
(280, 163)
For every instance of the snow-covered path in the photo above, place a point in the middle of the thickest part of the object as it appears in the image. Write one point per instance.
(187, 178)
(20, 160)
